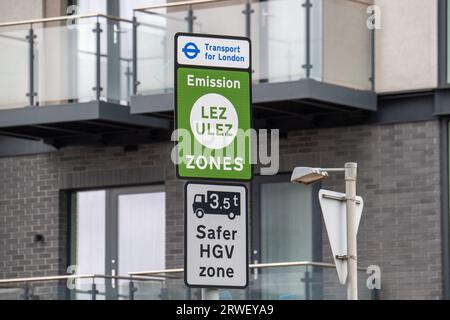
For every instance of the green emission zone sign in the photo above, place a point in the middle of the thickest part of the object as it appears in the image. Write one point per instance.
(212, 105)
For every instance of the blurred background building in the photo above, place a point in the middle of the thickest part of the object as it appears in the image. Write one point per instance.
(86, 113)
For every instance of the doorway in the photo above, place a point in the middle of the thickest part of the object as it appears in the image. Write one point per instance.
(114, 232)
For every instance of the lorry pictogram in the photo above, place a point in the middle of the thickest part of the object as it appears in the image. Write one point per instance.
(217, 202)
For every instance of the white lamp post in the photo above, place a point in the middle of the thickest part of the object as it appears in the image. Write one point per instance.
(308, 175)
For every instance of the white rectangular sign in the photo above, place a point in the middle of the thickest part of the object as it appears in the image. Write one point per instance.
(213, 52)
(216, 235)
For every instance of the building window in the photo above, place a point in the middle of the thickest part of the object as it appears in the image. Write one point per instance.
(285, 228)
(114, 232)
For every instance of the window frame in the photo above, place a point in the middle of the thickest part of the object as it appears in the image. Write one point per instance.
(111, 226)
(255, 221)
(443, 44)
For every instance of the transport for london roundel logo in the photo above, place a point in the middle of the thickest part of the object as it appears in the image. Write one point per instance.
(214, 121)
(191, 50)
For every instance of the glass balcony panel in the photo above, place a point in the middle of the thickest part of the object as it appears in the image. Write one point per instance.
(39, 290)
(155, 49)
(340, 42)
(83, 289)
(168, 288)
(278, 30)
(116, 61)
(148, 290)
(11, 293)
(275, 283)
(316, 40)
(282, 284)
(14, 69)
(123, 290)
(333, 290)
(64, 57)
(346, 44)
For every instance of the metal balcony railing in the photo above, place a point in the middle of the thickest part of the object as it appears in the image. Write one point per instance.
(99, 57)
(60, 287)
(301, 280)
(66, 59)
(325, 40)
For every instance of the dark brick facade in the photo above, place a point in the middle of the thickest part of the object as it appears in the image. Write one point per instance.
(398, 177)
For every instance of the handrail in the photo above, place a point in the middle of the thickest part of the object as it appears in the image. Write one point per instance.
(147, 275)
(197, 2)
(290, 264)
(48, 278)
(101, 15)
(251, 266)
(142, 273)
(63, 18)
(82, 276)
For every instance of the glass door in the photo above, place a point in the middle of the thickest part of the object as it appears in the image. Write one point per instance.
(140, 238)
(114, 232)
(88, 241)
(285, 228)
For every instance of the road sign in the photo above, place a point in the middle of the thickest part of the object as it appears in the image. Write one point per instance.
(212, 106)
(334, 213)
(216, 235)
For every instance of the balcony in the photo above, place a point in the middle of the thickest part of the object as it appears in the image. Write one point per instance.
(309, 57)
(66, 60)
(68, 80)
(79, 79)
(301, 280)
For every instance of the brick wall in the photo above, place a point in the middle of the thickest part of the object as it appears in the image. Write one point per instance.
(31, 201)
(398, 177)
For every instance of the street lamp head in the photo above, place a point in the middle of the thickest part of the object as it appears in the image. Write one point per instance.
(308, 175)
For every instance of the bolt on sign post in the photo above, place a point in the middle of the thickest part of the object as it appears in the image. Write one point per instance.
(213, 107)
(216, 252)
